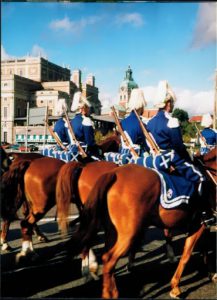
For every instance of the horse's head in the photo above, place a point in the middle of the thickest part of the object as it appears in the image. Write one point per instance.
(5, 161)
(208, 165)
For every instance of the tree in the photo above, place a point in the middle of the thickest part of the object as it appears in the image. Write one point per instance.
(180, 114)
(188, 129)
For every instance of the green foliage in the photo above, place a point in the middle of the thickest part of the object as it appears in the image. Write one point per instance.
(188, 129)
(180, 114)
(99, 137)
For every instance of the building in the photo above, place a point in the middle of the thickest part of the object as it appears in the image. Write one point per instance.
(35, 68)
(39, 83)
(126, 87)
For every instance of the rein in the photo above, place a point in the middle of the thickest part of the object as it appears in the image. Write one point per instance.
(208, 171)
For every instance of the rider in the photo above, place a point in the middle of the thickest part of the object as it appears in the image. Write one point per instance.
(167, 133)
(82, 124)
(60, 127)
(131, 124)
(209, 136)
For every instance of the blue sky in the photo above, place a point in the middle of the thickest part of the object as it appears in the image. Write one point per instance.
(172, 41)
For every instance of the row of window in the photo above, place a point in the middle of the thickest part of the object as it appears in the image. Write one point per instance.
(34, 137)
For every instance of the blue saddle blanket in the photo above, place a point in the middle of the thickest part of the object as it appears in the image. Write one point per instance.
(71, 154)
(175, 190)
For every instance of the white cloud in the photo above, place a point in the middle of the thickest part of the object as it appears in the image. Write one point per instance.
(205, 32)
(196, 103)
(134, 19)
(74, 26)
(193, 102)
(4, 54)
(38, 51)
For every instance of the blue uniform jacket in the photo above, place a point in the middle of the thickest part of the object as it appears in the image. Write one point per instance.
(83, 130)
(62, 131)
(210, 136)
(167, 137)
(131, 125)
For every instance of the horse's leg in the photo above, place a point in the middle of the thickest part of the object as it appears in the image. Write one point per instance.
(110, 259)
(169, 248)
(89, 264)
(27, 232)
(4, 235)
(41, 237)
(208, 257)
(188, 248)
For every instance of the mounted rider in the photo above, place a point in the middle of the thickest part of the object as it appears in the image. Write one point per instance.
(167, 133)
(60, 127)
(208, 138)
(82, 124)
(131, 124)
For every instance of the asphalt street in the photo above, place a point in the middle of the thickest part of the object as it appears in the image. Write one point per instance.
(54, 275)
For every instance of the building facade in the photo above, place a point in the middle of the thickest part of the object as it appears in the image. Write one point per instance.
(39, 83)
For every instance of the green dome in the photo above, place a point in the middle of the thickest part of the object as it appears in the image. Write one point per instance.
(128, 81)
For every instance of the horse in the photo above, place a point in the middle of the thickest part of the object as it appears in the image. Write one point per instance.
(35, 183)
(125, 201)
(110, 144)
(17, 165)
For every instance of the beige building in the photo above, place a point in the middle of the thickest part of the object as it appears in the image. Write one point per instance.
(35, 68)
(40, 83)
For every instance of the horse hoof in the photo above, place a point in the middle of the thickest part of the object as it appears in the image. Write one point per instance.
(175, 293)
(172, 260)
(93, 267)
(6, 247)
(214, 278)
(129, 268)
(43, 239)
(29, 256)
(20, 256)
(85, 271)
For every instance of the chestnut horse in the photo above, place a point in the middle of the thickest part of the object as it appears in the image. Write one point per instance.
(9, 189)
(35, 182)
(125, 201)
(13, 181)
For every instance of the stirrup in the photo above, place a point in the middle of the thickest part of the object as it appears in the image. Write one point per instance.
(208, 221)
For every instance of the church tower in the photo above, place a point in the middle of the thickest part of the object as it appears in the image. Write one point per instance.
(126, 87)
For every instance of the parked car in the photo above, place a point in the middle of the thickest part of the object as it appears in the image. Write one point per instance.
(30, 148)
(5, 145)
(33, 148)
(15, 146)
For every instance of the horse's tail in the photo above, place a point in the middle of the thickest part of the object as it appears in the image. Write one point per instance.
(95, 210)
(66, 188)
(12, 188)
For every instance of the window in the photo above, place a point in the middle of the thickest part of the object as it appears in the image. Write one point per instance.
(5, 136)
(18, 111)
(5, 84)
(5, 112)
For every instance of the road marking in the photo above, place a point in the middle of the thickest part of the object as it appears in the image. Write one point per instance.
(49, 219)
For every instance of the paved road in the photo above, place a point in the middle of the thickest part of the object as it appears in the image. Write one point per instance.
(55, 276)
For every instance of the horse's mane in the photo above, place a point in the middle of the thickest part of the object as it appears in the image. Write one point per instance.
(211, 155)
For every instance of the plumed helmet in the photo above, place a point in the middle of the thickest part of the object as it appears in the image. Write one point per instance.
(61, 106)
(137, 99)
(79, 101)
(164, 93)
(206, 120)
